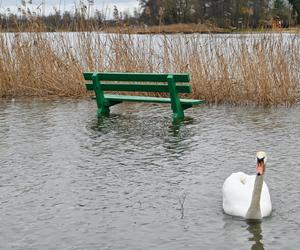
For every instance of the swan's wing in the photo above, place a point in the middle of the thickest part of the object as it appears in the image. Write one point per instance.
(236, 194)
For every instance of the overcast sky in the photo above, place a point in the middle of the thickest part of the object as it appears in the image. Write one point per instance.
(69, 5)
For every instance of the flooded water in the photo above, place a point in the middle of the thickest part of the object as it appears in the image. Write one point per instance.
(137, 181)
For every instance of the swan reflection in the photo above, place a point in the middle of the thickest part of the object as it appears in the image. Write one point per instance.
(254, 227)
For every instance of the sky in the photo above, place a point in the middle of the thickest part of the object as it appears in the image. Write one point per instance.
(69, 5)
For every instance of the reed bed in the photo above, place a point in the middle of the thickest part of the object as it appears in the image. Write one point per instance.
(168, 29)
(259, 69)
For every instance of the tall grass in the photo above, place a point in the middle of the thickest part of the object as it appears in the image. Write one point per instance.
(239, 69)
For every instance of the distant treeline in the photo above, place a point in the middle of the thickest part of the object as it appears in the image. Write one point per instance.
(237, 14)
(224, 13)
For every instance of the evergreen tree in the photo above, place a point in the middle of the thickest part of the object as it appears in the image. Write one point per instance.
(296, 8)
(281, 11)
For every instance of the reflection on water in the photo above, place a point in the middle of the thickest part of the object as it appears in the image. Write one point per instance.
(237, 229)
(254, 227)
(176, 124)
(71, 181)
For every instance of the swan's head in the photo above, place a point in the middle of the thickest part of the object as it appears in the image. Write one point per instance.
(261, 159)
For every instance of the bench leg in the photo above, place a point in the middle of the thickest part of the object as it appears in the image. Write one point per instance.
(175, 101)
(178, 116)
(102, 103)
(103, 111)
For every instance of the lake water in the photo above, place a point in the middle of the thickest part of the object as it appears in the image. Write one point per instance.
(137, 181)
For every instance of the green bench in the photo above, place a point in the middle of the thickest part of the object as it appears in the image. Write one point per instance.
(165, 83)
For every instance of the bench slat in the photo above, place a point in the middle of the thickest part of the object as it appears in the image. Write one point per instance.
(182, 88)
(136, 77)
(130, 98)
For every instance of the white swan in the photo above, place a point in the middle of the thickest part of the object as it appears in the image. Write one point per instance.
(248, 195)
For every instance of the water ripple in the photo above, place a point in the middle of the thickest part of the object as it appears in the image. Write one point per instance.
(137, 181)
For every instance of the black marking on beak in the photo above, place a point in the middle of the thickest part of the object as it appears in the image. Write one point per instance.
(260, 160)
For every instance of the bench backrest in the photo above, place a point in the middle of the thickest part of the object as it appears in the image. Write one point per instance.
(138, 77)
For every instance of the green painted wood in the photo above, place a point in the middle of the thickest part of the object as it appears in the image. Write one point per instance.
(187, 105)
(104, 101)
(175, 101)
(131, 98)
(180, 88)
(136, 77)
(102, 104)
(89, 86)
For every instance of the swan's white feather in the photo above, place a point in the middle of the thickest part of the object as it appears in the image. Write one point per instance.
(237, 194)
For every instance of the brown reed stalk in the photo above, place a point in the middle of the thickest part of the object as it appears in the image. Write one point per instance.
(245, 69)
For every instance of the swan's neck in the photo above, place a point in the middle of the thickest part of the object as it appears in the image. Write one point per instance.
(254, 209)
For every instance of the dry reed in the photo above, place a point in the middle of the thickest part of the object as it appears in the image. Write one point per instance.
(239, 69)
(167, 29)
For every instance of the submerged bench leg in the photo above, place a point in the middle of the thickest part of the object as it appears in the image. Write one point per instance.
(104, 110)
(178, 116)
(175, 101)
(102, 103)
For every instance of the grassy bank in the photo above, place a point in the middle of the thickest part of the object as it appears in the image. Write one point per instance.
(261, 70)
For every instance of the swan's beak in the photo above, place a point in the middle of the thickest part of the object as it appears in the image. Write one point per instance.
(260, 166)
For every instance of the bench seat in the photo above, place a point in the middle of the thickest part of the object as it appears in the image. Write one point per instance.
(132, 98)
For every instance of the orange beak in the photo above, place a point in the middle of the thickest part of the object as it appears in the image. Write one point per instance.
(260, 168)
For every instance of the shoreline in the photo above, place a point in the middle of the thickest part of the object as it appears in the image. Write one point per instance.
(192, 29)
(160, 29)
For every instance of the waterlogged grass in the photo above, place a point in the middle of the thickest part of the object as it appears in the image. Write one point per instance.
(260, 69)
